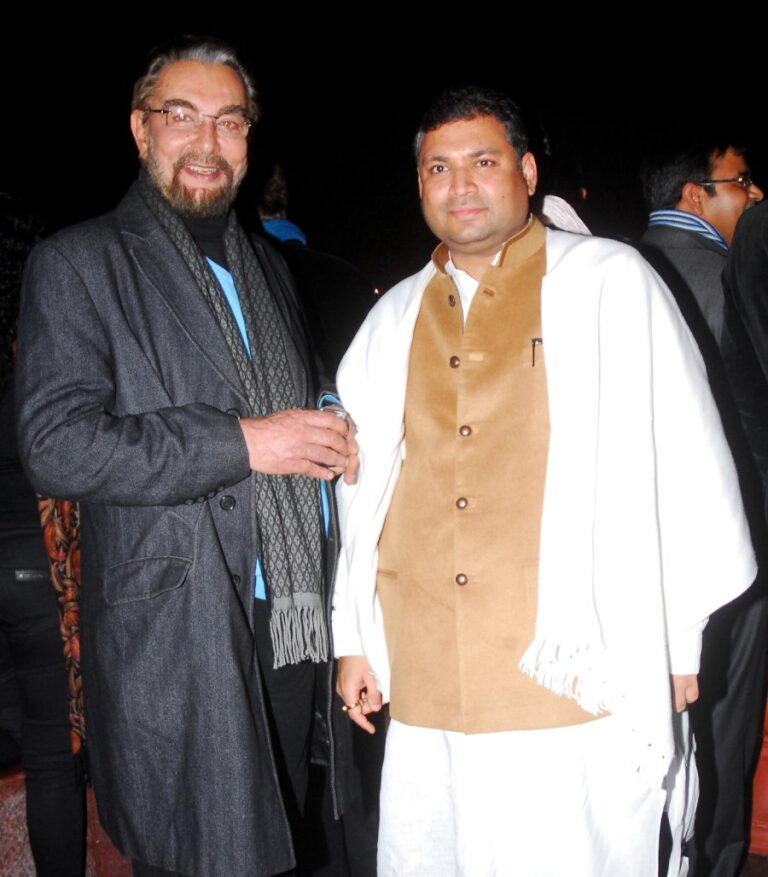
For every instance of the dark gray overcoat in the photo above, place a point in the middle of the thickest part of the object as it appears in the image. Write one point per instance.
(128, 402)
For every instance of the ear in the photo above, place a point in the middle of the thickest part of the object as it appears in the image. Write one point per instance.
(139, 130)
(692, 199)
(418, 177)
(530, 171)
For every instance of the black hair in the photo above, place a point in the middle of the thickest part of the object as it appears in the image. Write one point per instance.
(471, 102)
(667, 170)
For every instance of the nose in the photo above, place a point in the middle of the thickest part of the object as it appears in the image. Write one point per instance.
(755, 193)
(462, 181)
(207, 134)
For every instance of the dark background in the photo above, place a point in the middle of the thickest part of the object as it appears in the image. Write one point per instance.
(341, 101)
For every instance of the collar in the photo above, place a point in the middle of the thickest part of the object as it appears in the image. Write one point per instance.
(517, 249)
(208, 234)
(688, 222)
(284, 230)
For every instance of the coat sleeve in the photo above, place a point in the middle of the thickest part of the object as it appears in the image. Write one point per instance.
(72, 440)
(745, 335)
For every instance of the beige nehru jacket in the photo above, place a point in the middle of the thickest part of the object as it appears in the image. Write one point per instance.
(458, 556)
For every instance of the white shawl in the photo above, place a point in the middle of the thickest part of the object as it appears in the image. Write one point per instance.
(643, 530)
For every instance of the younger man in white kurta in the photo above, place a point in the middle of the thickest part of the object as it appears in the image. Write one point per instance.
(630, 534)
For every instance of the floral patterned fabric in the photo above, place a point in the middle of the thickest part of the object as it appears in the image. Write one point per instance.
(60, 520)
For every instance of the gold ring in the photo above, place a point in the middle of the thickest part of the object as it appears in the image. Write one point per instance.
(350, 706)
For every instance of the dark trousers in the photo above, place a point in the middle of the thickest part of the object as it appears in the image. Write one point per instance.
(290, 705)
(34, 724)
(727, 722)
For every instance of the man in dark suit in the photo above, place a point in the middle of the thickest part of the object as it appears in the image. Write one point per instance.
(696, 195)
(164, 381)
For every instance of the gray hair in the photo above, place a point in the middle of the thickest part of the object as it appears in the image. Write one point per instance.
(206, 50)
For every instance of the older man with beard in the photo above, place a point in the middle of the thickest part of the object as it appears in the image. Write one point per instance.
(164, 381)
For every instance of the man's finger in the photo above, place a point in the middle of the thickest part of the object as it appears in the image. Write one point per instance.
(358, 717)
(351, 470)
(336, 422)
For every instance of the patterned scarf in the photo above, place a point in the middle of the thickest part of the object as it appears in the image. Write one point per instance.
(60, 521)
(288, 528)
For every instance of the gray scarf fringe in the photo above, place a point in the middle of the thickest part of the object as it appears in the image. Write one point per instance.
(298, 633)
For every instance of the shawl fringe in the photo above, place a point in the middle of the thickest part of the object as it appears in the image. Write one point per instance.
(571, 670)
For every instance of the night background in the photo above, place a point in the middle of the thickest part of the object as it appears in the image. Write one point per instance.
(341, 101)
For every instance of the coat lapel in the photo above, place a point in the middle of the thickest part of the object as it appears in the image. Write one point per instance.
(168, 276)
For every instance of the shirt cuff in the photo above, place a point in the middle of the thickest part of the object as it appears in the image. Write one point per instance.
(685, 650)
(346, 638)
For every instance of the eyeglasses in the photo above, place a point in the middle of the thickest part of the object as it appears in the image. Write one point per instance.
(232, 125)
(743, 180)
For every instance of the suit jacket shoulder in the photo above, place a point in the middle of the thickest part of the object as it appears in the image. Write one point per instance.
(692, 267)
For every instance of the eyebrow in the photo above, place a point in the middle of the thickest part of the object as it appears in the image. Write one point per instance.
(476, 153)
(223, 111)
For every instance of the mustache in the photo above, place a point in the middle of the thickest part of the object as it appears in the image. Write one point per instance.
(211, 158)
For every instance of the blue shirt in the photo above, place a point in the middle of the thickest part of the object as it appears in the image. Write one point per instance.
(227, 284)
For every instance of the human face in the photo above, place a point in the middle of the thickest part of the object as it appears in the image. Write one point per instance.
(474, 192)
(197, 171)
(723, 209)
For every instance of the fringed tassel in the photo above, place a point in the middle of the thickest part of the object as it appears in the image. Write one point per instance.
(576, 672)
(298, 634)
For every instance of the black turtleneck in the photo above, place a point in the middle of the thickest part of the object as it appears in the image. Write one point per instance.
(209, 236)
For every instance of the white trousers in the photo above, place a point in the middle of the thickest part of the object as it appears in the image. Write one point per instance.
(561, 802)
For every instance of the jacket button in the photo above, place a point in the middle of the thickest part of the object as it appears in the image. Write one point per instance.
(234, 413)
(452, 300)
(235, 580)
(465, 430)
(461, 579)
(454, 362)
(462, 502)
(190, 501)
(228, 502)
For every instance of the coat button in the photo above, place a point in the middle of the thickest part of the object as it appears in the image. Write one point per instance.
(461, 579)
(235, 580)
(465, 430)
(462, 502)
(234, 413)
(454, 362)
(228, 502)
(452, 300)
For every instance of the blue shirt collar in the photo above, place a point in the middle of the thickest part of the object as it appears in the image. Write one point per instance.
(689, 222)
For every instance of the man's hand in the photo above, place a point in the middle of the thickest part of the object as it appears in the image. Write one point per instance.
(301, 442)
(350, 473)
(685, 690)
(356, 685)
